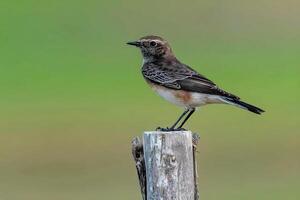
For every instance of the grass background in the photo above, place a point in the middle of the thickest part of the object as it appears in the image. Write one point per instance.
(72, 96)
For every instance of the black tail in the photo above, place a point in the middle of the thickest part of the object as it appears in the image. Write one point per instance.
(244, 105)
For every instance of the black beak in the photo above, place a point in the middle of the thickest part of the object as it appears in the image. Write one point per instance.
(135, 43)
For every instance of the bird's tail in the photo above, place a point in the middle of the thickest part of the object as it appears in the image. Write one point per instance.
(241, 104)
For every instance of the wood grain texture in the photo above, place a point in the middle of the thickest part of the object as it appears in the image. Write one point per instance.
(169, 165)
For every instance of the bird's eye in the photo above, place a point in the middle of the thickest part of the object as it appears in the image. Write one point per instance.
(153, 44)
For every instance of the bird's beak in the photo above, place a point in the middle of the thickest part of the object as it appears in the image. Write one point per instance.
(135, 43)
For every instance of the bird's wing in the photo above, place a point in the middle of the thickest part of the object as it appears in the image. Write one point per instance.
(165, 75)
(180, 76)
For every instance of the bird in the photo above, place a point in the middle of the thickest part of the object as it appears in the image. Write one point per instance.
(178, 83)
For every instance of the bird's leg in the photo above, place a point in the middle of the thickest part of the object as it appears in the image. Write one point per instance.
(178, 120)
(192, 110)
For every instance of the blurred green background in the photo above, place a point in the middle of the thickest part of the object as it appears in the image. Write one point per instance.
(72, 96)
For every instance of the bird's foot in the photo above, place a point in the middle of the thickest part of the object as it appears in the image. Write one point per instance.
(180, 129)
(163, 129)
(170, 129)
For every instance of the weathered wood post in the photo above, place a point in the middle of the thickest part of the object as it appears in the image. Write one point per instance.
(166, 165)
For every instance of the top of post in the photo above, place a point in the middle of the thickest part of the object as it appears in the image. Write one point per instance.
(168, 132)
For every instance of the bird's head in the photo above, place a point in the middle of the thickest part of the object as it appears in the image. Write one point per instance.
(153, 48)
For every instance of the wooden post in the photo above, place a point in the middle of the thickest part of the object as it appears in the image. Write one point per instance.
(166, 165)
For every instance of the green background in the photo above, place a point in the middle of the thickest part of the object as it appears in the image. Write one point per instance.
(72, 96)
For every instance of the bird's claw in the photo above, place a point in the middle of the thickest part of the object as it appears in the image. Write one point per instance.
(163, 129)
(180, 129)
(169, 129)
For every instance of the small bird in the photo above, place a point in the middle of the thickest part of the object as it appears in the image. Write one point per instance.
(179, 83)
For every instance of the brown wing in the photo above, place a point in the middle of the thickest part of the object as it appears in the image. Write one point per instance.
(180, 76)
